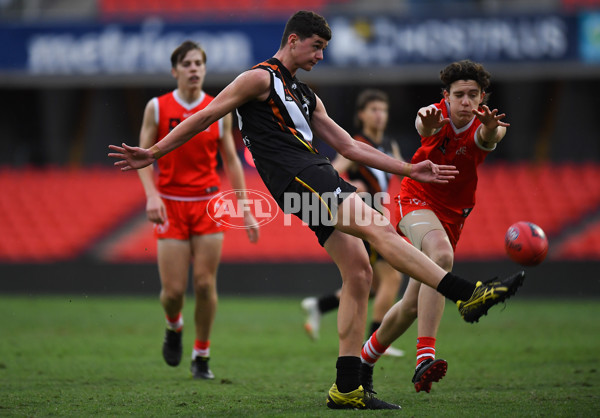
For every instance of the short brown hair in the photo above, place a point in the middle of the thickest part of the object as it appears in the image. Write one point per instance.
(364, 98)
(306, 24)
(180, 52)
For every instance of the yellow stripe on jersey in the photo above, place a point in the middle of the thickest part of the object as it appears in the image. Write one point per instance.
(310, 148)
(313, 191)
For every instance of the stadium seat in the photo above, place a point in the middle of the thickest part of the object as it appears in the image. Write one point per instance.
(578, 5)
(182, 9)
(55, 214)
(277, 241)
(584, 245)
(553, 196)
(58, 214)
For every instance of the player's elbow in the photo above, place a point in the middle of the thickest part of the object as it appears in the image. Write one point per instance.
(348, 151)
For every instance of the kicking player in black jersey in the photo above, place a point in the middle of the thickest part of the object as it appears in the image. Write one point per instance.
(278, 116)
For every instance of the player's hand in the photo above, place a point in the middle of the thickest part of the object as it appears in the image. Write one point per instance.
(131, 158)
(428, 172)
(251, 227)
(156, 210)
(432, 118)
(490, 118)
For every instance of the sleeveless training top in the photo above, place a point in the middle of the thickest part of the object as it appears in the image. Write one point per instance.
(190, 170)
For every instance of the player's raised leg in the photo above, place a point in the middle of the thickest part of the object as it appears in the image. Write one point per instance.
(473, 300)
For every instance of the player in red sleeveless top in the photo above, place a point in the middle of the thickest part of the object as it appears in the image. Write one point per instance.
(461, 131)
(179, 204)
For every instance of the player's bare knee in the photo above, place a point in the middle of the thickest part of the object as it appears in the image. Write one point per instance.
(204, 284)
(379, 235)
(365, 275)
(410, 310)
(444, 259)
(360, 276)
(172, 295)
(400, 313)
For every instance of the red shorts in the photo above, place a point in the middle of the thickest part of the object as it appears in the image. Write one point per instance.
(406, 204)
(187, 218)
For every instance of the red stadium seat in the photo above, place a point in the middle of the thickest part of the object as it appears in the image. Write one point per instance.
(576, 5)
(508, 193)
(581, 246)
(277, 241)
(182, 9)
(58, 214)
(61, 214)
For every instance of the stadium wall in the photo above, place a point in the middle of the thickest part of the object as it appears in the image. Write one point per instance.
(550, 279)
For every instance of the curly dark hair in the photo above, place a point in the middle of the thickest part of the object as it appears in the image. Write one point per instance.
(465, 70)
(306, 24)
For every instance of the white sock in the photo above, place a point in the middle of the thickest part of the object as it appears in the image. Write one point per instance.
(175, 325)
(200, 353)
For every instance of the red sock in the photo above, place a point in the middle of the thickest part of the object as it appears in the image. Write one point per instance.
(425, 349)
(175, 324)
(372, 350)
(201, 348)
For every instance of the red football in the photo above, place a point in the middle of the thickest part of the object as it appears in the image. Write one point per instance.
(526, 243)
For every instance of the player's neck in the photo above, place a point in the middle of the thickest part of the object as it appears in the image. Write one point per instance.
(189, 95)
(374, 134)
(287, 60)
(459, 124)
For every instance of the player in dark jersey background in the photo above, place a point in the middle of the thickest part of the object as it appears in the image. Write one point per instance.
(459, 130)
(371, 117)
(278, 115)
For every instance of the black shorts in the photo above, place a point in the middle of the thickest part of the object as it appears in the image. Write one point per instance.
(314, 196)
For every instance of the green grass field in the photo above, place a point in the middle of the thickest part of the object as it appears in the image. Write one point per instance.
(83, 356)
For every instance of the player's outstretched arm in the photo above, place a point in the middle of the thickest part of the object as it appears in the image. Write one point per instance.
(428, 172)
(247, 86)
(430, 120)
(131, 158)
(344, 144)
(492, 128)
